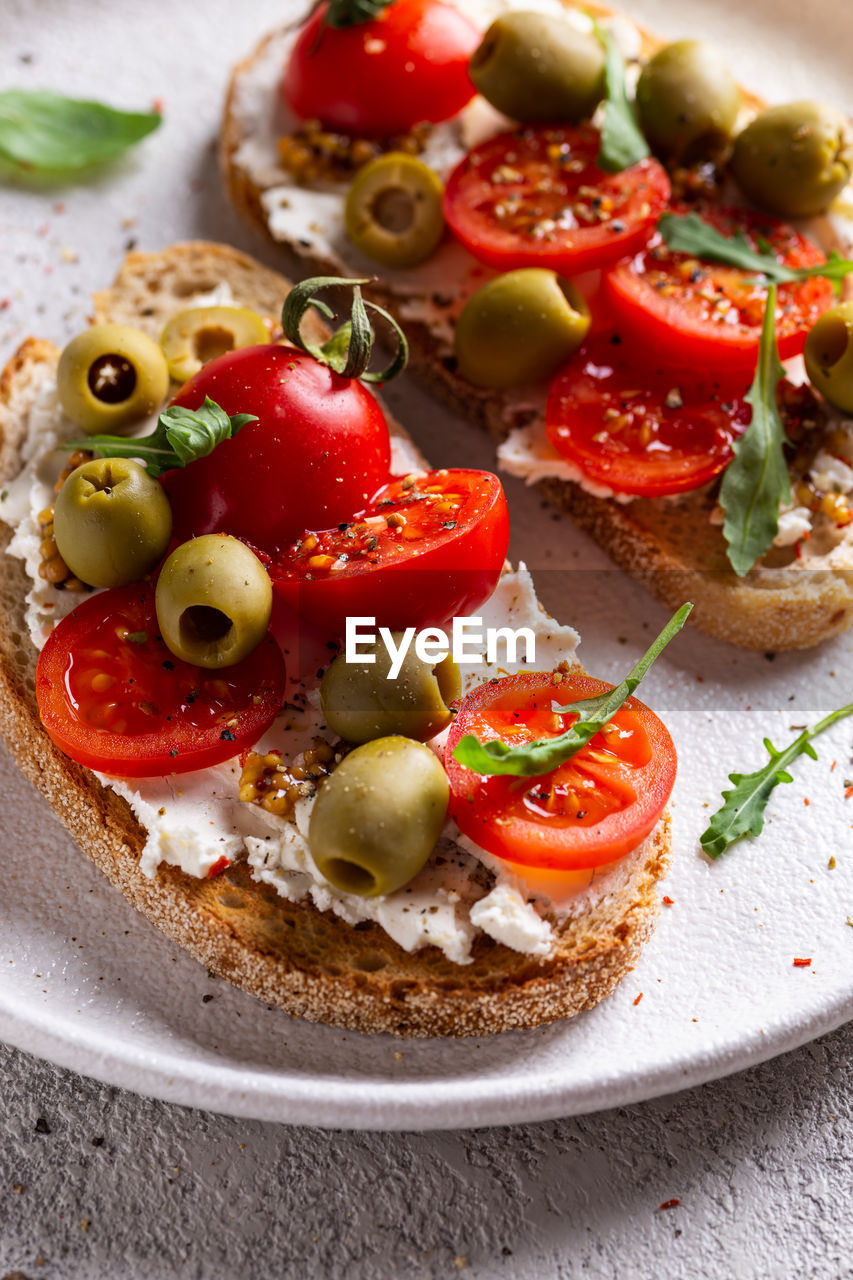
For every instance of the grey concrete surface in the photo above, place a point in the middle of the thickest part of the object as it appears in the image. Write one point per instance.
(96, 1182)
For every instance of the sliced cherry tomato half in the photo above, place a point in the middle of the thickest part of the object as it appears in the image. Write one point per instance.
(595, 808)
(707, 315)
(646, 431)
(537, 198)
(114, 698)
(429, 548)
(407, 65)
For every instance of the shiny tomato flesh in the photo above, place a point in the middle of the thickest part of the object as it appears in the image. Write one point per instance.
(376, 79)
(428, 548)
(114, 698)
(319, 450)
(595, 808)
(537, 198)
(707, 315)
(647, 431)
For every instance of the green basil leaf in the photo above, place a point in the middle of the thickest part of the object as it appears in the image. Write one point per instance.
(45, 132)
(545, 754)
(180, 437)
(745, 805)
(622, 142)
(757, 480)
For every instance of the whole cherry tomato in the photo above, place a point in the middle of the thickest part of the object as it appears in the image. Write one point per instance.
(318, 452)
(380, 78)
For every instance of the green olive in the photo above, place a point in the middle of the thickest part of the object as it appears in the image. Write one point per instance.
(377, 817)
(112, 522)
(199, 334)
(794, 159)
(213, 601)
(361, 702)
(519, 328)
(539, 69)
(111, 376)
(829, 356)
(393, 210)
(687, 102)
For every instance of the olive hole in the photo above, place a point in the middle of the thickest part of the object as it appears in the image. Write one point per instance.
(349, 876)
(212, 342)
(485, 49)
(833, 341)
(394, 210)
(202, 625)
(112, 379)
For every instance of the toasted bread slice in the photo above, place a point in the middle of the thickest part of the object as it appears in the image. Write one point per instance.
(670, 546)
(311, 963)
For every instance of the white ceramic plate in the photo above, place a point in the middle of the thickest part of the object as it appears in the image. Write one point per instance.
(89, 984)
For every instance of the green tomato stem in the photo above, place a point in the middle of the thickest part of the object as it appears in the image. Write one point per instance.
(349, 349)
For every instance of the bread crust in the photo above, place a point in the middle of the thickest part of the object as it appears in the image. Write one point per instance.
(310, 963)
(672, 548)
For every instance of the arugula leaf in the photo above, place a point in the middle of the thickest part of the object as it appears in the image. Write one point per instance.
(180, 437)
(545, 754)
(46, 132)
(743, 811)
(757, 479)
(688, 233)
(622, 143)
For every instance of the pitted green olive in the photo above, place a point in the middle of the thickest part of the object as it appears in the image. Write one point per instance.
(519, 328)
(829, 356)
(393, 210)
(112, 522)
(111, 376)
(687, 101)
(360, 702)
(794, 159)
(199, 334)
(213, 601)
(539, 69)
(377, 817)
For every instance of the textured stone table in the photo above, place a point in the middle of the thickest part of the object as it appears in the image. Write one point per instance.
(95, 1182)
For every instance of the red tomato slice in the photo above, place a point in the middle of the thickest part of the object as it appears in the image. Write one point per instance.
(647, 431)
(595, 808)
(380, 78)
(429, 548)
(706, 315)
(537, 198)
(114, 698)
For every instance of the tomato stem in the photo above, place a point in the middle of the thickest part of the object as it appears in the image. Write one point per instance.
(350, 347)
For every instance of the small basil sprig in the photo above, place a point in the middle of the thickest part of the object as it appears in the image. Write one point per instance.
(689, 233)
(743, 811)
(622, 142)
(180, 437)
(351, 13)
(349, 349)
(45, 132)
(757, 479)
(545, 754)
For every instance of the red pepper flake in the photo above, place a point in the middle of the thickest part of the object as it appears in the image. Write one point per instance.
(667, 901)
(639, 998)
(222, 863)
(669, 1204)
(157, 105)
(848, 793)
(833, 766)
(801, 962)
(5, 304)
(806, 801)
